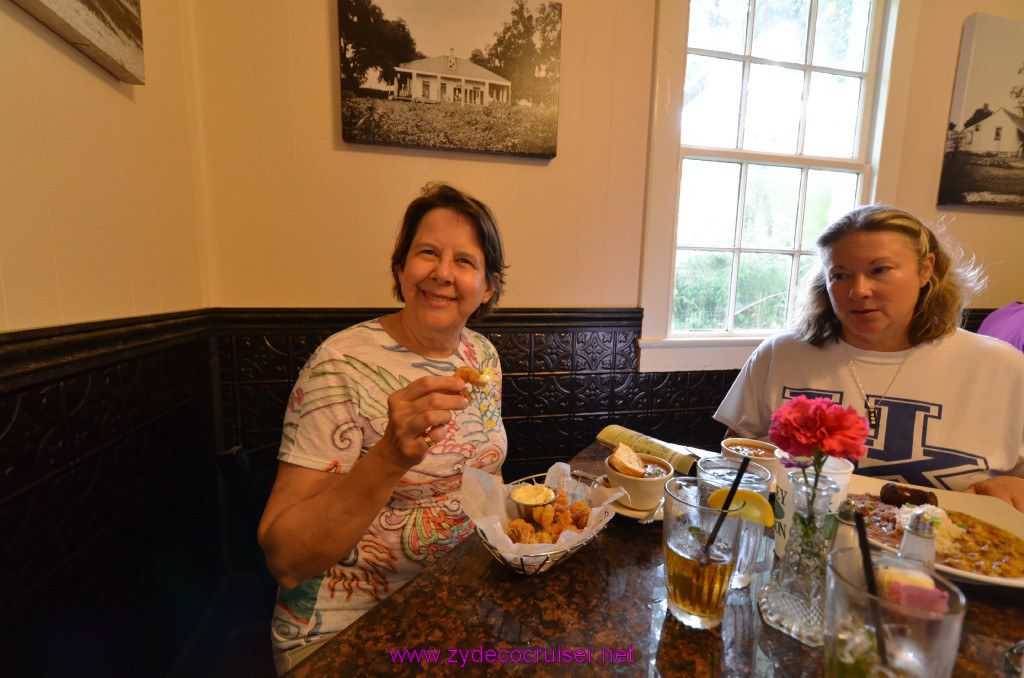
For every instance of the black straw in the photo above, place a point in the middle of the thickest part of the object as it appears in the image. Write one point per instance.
(869, 579)
(725, 506)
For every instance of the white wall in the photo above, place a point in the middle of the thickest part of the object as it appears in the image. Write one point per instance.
(98, 179)
(223, 180)
(927, 45)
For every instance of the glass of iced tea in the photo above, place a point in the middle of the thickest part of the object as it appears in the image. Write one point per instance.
(698, 574)
(716, 472)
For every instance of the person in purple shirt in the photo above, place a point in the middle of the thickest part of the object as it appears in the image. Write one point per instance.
(1006, 323)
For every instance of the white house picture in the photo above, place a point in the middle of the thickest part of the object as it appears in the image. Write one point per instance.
(983, 165)
(1001, 132)
(451, 75)
(449, 79)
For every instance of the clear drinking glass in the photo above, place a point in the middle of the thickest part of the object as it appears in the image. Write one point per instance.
(698, 575)
(716, 472)
(919, 642)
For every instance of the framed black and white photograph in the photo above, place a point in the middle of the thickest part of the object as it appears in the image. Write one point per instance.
(984, 159)
(107, 31)
(460, 75)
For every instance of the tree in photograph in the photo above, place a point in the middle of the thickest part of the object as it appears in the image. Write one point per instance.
(1017, 93)
(368, 40)
(526, 51)
(549, 32)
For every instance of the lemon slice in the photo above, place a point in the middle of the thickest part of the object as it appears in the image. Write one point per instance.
(756, 508)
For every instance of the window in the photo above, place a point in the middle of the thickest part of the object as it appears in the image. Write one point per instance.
(426, 90)
(999, 133)
(776, 115)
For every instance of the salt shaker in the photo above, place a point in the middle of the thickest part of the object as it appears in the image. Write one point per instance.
(846, 527)
(919, 539)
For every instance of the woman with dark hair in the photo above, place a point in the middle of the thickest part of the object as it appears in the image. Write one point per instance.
(378, 430)
(878, 329)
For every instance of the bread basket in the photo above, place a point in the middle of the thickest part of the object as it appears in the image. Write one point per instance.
(542, 561)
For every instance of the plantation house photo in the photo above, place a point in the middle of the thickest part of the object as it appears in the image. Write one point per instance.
(415, 76)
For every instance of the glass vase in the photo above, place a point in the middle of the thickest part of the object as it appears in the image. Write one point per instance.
(793, 600)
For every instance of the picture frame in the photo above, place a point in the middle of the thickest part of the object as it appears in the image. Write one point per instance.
(451, 75)
(107, 31)
(983, 163)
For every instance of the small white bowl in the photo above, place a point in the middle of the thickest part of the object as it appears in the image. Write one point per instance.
(757, 451)
(641, 493)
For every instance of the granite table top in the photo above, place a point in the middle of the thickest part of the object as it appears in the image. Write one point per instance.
(610, 595)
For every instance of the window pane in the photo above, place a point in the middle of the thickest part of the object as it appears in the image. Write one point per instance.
(718, 24)
(806, 267)
(780, 30)
(708, 193)
(701, 290)
(833, 107)
(841, 33)
(762, 289)
(770, 206)
(773, 108)
(830, 195)
(711, 101)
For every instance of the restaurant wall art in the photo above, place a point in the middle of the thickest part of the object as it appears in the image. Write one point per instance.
(983, 165)
(107, 31)
(451, 75)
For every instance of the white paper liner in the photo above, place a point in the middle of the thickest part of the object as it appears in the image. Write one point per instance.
(489, 505)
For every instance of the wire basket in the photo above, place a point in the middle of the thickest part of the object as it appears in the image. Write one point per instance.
(536, 563)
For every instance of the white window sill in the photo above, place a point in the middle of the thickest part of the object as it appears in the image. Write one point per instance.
(692, 354)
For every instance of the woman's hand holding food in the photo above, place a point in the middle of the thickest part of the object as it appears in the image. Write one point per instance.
(314, 519)
(1008, 488)
(417, 415)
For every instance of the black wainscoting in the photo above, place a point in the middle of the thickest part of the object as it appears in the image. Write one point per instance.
(123, 516)
(567, 374)
(110, 538)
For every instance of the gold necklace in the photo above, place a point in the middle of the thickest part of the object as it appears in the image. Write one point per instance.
(873, 411)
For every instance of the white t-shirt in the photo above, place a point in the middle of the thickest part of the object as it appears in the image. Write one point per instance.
(336, 413)
(953, 416)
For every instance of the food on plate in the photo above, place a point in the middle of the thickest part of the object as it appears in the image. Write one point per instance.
(533, 494)
(756, 508)
(474, 377)
(911, 588)
(749, 451)
(962, 542)
(898, 495)
(550, 520)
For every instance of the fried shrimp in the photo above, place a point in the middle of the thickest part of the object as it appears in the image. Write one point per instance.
(550, 520)
(521, 532)
(474, 377)
(544, 516)
(580, 513)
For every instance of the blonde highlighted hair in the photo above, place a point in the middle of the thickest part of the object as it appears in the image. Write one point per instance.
(954, 282)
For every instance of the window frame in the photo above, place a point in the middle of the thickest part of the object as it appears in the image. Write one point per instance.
(711, 350)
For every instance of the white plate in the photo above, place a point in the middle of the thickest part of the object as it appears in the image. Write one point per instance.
(633, 513)
(989, 509)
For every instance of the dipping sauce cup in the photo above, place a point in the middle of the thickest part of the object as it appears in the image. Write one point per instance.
(698, 581)
(922, 631)
(716, 472)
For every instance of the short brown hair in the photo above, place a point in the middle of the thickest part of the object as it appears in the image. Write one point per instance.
(439, 194)
(954, 281)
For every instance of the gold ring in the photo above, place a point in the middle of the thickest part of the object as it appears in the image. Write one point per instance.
(428, 441)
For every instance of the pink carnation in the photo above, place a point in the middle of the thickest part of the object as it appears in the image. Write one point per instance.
(803, 425)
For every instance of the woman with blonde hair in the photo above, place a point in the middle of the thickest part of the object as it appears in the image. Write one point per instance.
(878, 329)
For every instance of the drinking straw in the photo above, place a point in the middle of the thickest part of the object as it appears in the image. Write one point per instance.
(869, 579)
(725, 505)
